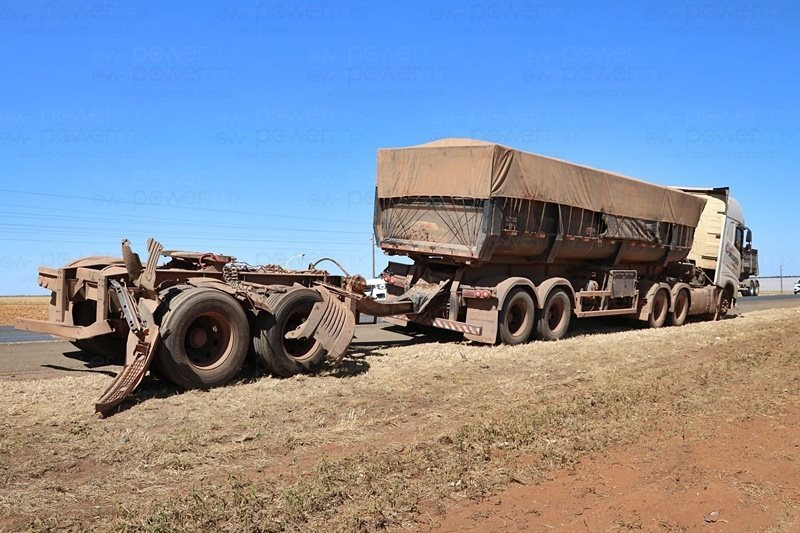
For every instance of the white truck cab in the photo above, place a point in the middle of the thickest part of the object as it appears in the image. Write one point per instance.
(722, 240)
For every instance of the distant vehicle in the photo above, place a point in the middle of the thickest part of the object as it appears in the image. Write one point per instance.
(376, 289)
(748, 284)
(797, 287)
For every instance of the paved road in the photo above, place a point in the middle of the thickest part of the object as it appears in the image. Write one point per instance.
(25, 355)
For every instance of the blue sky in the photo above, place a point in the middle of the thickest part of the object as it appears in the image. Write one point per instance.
(252, 128)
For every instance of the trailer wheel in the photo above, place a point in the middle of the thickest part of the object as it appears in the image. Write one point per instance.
(678, 316)
(286, 357)
(659, 309)
(756, 288)
(555, 316)
(517, 318)
(206, 339)
(110, 347)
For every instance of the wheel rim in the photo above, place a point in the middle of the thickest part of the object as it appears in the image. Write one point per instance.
(299, 349)
(517, 318)
(555, 314)
(208, 340)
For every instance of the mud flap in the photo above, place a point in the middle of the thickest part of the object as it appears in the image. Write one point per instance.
(137, 362)
(143, 339)
(331, 323)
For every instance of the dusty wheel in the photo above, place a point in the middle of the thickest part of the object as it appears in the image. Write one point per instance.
(107, 347)
(756, 289)
(517, 318)
(724, 303)
(678, 315)
(206, 340)
(286, 357)
(659, 309)
(555, 315)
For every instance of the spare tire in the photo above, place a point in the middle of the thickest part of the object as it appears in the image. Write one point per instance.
(287, 357)
(205, 338)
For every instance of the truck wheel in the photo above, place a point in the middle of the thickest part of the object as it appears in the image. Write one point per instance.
(678, 316)
(517, 318)
(555, 316)
(724, 303)
(756, 289)
(286, 357)
(658, 309)
(206, 339)
(110, 348)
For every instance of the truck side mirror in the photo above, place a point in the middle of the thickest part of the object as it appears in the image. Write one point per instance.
(749, 236)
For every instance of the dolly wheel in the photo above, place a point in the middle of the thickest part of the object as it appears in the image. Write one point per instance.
(206, 341)
(286, 357)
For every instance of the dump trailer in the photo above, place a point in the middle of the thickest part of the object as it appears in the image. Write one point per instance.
(500, 245)
(520, 243)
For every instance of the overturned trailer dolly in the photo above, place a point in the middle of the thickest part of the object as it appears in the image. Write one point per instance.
(194, 318)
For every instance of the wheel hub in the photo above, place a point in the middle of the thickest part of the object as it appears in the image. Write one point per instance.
(207, 340)
(198, 337)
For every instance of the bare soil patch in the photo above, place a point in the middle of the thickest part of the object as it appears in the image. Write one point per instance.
(13, 307)
(743, 476)
(398, 437)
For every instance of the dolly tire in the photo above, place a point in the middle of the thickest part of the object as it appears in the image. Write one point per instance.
(287, 357)
(206, 337)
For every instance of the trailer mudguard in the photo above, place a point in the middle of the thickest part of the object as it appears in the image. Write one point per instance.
(543, 290)
(331, 323)
(507, 284)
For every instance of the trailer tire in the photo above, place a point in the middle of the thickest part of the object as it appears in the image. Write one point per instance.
(555, 316)
(206, 339)
(517, 318)
(677, 317)
(288, 357)
(756, 288)
(659, 309)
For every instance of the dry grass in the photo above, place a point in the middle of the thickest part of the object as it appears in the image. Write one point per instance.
(12, 307)
(391, 440)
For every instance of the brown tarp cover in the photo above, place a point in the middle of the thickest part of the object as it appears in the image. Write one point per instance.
(470, 168)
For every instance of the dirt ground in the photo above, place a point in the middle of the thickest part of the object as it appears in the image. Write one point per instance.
(675, 430)
(744, 477)
(12, 307)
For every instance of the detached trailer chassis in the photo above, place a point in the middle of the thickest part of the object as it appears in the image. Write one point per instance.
(195, 318)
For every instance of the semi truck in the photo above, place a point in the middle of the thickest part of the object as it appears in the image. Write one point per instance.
(501, 245)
